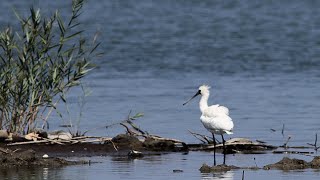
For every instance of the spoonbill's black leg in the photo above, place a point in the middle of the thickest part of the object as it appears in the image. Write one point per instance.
(214, 150)
(223, 143)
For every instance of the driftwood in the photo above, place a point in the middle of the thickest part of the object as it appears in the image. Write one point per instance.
(235, 145)
(84, 139)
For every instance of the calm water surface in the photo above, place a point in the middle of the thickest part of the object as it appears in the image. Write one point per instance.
(261, 59)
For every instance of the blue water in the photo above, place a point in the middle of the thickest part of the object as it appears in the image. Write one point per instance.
(261, 59)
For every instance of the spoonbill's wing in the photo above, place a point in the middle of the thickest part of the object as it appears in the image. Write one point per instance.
(218, 125)
(216, 110)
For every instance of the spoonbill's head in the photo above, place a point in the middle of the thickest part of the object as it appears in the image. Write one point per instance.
(203, 90)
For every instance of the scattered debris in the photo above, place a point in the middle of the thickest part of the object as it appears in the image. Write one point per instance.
(234, 145)
(32, 136)
(291, 152)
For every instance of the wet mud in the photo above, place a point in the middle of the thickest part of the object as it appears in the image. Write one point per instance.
(294, 164)
(30, 158)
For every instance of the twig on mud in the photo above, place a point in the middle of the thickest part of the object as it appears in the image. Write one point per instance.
(16, 150)
(204, 138)
(282, 131)
(51, 140)
(5, 150)
(114, 146)
(27, 142)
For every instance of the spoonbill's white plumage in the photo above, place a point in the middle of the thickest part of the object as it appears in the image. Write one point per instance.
(215, 118)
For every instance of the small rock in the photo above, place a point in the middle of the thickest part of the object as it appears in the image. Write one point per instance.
(205, 168)
(177, 170)
(127, 140)
(45, 156)
(135, 154)
(41, 132)
(158, 145)
(3, 135)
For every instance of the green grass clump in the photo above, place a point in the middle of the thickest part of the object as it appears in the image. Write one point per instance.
(38, 66)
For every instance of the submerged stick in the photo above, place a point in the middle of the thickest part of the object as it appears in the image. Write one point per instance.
(242, 175)
(285, 145)
(315, 143)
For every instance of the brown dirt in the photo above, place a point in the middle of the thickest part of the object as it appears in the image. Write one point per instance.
(293, 164)
(29, 157)
(31, 154)
(315, 163)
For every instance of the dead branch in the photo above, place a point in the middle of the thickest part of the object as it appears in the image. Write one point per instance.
(27, 142)
(204, 138)
(128, 129)
(315, 143)
(163, 139)
(128, 121)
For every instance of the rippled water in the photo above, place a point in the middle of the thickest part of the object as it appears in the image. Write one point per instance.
(261, 59)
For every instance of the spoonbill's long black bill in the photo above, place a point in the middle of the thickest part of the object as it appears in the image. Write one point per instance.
(199, 92)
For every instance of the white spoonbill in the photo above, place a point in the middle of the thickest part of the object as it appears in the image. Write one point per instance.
(215, 118)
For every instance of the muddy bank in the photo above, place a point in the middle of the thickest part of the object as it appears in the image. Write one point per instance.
(120, 145)
(284, 164)
(29, 157)
(294, 164)
(223, 168)
(218, 168)
(123, 144)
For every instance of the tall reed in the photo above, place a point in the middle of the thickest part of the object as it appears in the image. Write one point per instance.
(38, 66)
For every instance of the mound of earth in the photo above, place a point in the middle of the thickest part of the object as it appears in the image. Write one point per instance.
(218, 168)
(293, 164)
(28, 157)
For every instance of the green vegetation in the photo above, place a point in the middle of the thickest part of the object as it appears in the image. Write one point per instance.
(39, 65)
